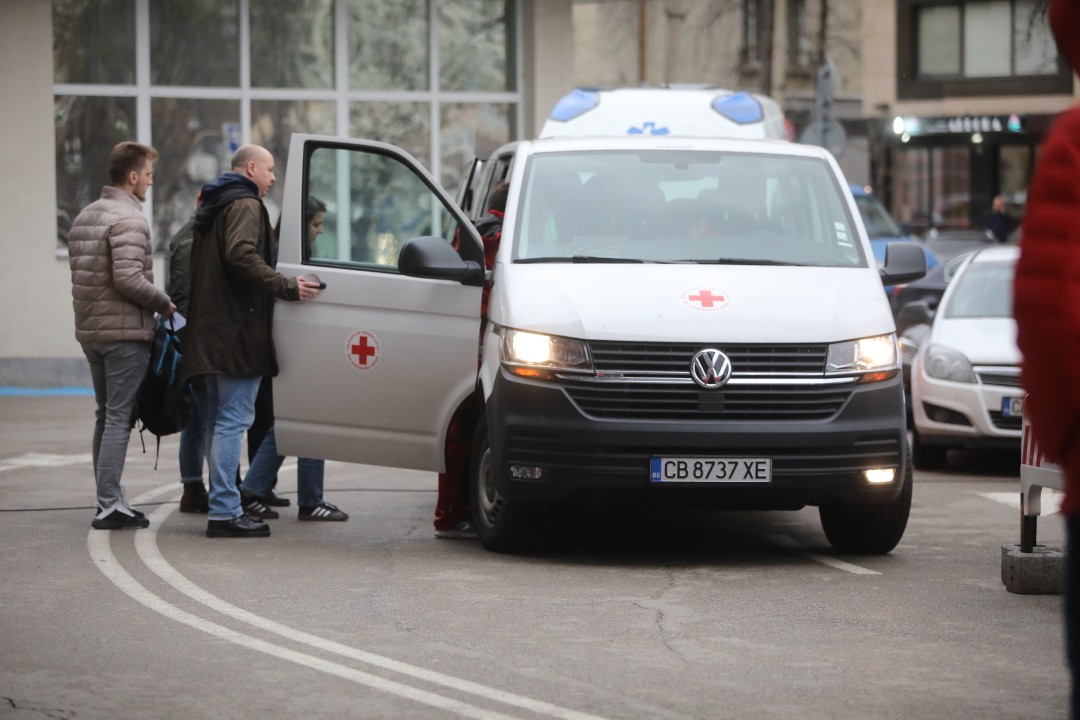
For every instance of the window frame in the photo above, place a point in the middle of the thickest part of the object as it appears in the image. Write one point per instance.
(909, 86)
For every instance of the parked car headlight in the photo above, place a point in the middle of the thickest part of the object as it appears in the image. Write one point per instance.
(537, 355)
(872, 358)
(944, 363)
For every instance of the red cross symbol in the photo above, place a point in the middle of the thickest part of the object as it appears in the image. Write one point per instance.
(707, 299)
(363, 350)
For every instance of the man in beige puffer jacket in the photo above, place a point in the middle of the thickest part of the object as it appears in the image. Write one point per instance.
(112, 286)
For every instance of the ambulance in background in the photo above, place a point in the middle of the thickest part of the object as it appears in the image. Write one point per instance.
(680, 111)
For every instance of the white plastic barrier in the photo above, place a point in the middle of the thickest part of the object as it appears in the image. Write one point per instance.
(1037, 471)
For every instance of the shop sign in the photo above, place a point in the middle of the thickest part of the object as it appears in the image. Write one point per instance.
(956, 125)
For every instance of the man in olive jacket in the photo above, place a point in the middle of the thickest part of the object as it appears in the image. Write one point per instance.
(113, 293)
(230, 319)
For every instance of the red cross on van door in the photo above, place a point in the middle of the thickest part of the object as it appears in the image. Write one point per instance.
(362, 350)
(706, 299)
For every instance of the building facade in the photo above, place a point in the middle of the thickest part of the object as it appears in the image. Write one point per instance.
(958, 96)
(445, 79)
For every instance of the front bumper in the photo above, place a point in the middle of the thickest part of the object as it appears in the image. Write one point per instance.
(535, 424)
(967, 415)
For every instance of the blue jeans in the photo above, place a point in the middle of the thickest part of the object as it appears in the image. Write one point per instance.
(229, 409)
(263, 471)
(192, 443)
(117, 370)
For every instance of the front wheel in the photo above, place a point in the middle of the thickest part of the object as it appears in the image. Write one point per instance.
(502, 525)
(873, 530)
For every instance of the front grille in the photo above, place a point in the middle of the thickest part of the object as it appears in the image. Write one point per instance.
(647, 401)
(1006, 422)
(746, 360)
(880, 450)
(651, 381)
(1007, 377)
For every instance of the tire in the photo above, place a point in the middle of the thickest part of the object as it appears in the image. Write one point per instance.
(927, 457)
(873, 530)
(502, 525)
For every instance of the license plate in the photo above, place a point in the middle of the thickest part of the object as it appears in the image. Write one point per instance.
(710, 470)
(1012, 406)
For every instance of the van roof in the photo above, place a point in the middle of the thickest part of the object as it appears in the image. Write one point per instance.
(680, 111)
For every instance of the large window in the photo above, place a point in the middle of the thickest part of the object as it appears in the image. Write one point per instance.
(197, 79)
(990, 47)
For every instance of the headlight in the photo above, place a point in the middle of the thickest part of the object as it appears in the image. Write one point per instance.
(944, 363)
(873, 358)
(536, 355)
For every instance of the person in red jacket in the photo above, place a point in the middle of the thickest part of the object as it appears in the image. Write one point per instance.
(452, 514)
(1046, 304)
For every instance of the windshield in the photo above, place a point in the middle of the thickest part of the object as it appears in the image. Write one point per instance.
(983, 290)
(683, 206)
(878, 221)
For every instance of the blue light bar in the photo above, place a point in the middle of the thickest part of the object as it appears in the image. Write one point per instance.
(577, 103)
(739, 108)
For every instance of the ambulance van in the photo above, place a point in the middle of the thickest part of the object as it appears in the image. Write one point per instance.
(671, 321)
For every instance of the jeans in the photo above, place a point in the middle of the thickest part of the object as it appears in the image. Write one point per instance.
(117, 370)
(263, 472)
(1071, 601)
(229, 408)
(192, 445)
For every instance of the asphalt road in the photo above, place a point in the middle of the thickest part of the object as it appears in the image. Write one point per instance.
(688, 615)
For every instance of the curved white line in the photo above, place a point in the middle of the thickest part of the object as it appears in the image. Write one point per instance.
(147, 549)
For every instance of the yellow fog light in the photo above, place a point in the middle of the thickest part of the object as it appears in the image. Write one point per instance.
(880, 476)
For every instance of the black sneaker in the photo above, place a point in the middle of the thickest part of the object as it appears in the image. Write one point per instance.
(118, 520)
(243, 526)
(254, 505)
(324, 511)
(275, 500)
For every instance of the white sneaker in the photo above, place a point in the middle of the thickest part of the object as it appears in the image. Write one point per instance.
(463, 530)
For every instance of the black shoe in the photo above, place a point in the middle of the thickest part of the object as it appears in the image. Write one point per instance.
(135, 512)
(254, 505)
(325, 511)
(118, 520)
(194, 499)
(243, 526)
(275, 500)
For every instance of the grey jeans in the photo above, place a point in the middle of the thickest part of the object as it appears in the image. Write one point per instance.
(117, 369)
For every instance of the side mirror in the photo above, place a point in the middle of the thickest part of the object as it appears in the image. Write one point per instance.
(912, 314)
(432, 257)
(904, 262)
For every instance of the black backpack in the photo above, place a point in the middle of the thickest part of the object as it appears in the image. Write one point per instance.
(163, 404)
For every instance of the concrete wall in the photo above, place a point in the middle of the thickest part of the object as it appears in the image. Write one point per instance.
(548, 50)
(36, 321)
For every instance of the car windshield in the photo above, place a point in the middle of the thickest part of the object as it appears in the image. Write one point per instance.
(878, 221)
(983, 290)
(684, 206)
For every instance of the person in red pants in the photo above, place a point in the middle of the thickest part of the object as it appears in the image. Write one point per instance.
(453, 517)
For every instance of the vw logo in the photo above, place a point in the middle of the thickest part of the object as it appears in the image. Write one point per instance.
(710, 368)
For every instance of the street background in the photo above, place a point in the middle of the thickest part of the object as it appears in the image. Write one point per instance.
(620, 615)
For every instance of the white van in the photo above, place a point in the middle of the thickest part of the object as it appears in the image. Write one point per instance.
(681, 321)
(676, 111)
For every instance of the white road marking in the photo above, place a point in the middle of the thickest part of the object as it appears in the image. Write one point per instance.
(1051, 499)
(43, 460)
(147, 549)
(786, 541)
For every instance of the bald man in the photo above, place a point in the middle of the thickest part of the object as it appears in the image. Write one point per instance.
(230, 314)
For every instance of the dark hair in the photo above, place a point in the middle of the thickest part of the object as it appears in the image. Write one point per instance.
(128, 157)
(497, 196)
(313, 205)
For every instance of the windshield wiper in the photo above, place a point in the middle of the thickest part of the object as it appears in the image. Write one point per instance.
(746, 261)
(579, 259)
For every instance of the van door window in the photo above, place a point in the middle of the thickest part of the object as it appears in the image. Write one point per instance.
(373, 205)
